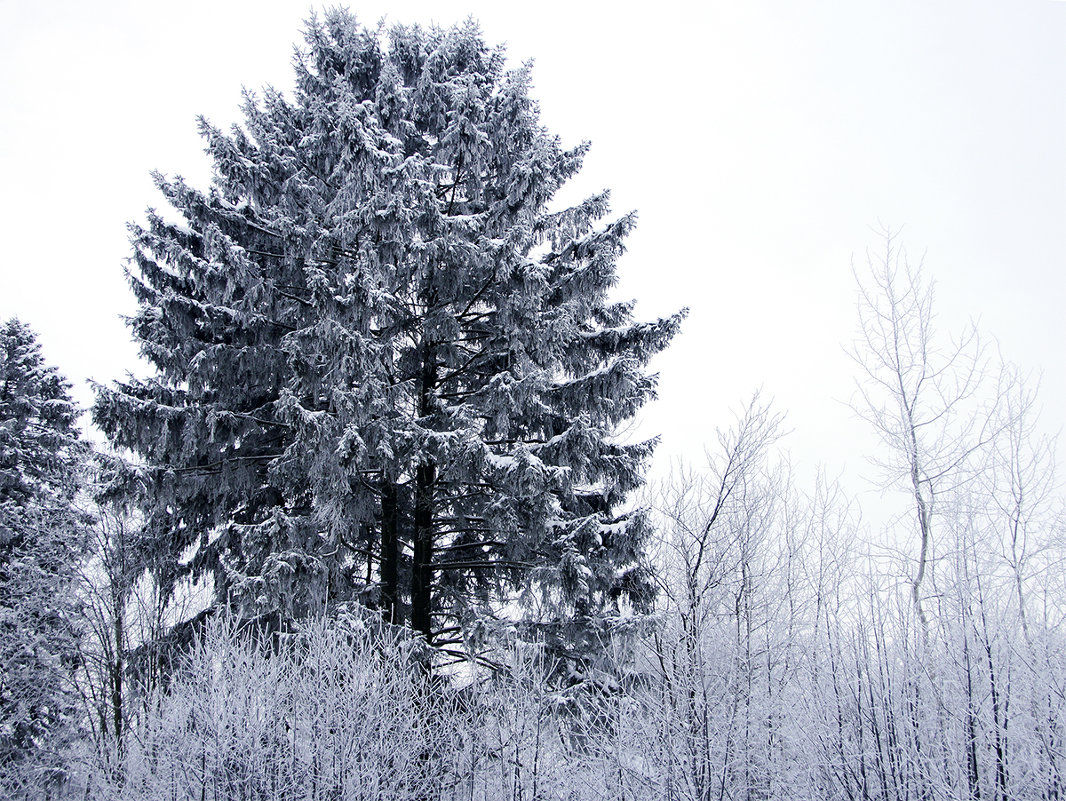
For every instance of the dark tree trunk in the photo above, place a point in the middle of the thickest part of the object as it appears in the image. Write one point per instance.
(425, 479)
(390, 555)
(117, 670)
(422, 574)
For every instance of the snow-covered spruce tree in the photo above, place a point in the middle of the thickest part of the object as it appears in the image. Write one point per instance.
(387, 369)
(41, 538)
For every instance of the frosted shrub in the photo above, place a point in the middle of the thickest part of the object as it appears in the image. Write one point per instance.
(335, 711)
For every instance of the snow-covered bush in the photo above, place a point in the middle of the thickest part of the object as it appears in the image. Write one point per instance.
(338, 710)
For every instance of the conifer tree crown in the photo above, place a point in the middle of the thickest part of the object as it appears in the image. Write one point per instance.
(42, 536)
(387, 367)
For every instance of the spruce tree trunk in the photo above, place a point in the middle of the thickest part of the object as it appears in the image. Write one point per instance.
(422, 574)
(117, 669)
(425, 479)
(390, 554)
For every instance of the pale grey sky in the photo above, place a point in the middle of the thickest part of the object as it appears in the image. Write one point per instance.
(760, 141)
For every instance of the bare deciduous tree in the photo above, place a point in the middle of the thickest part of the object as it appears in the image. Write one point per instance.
(921, 394)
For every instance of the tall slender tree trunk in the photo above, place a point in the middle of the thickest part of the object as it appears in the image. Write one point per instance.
(422, 572)
(425, 480)
(390, 553)
(117, 669)
(923, 499)
(973, 771)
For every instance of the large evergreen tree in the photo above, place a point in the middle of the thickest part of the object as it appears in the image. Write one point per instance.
(386, 368)
(41, 539)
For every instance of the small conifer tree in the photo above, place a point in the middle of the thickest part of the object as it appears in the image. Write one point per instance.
(42, 536)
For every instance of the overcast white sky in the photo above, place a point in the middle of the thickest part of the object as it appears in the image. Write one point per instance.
(761, 143)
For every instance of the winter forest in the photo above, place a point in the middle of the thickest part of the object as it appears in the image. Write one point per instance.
(375, 520)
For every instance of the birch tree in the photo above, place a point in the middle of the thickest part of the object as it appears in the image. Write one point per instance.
(920, 393)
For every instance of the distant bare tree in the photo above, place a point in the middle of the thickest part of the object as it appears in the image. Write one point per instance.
(921, 393)
(717, 560)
